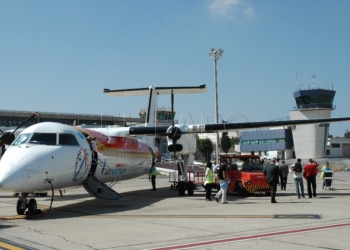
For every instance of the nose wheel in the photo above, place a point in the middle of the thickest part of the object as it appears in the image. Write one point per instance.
(23, 204)
(20, 209)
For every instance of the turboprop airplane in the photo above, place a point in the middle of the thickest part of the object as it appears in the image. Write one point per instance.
(51, 155)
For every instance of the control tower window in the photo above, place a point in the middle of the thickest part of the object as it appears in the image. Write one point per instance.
(314, 99)
(43, 139)
(68, 139)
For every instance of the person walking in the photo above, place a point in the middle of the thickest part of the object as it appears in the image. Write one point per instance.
(215, 167)
(223, 183)
(278, 164)
(152, 175)
(262, 165)
(209, 181)
(310, 172)
(272, 173)
(297, 170)
(284, 174)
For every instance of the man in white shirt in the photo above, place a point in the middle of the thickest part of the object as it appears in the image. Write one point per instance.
(297, 170)
(215, 167)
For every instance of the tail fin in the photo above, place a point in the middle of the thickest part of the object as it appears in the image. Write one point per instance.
(152, 101)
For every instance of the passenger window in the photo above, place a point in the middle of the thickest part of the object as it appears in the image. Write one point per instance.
(22, 139)
(43, 139)
(68, 139)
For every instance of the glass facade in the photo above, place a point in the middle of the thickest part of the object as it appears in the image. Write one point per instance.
(265, 141)
(314, 98)
(15, 121)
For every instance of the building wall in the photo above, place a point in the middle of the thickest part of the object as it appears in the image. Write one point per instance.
(310, 140)
(338, 147)
(261, 136)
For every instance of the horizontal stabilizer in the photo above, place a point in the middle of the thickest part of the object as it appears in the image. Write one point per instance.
(159, 90)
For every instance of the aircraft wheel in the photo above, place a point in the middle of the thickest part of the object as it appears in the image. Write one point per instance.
(32, 206)
(20, 211)
(190, 188)
(181, 187)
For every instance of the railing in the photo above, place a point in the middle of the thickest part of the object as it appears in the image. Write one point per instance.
(315, 106)
(103, 164)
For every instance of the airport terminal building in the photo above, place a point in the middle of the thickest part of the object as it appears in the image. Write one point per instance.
(301, 141)
(11, 119)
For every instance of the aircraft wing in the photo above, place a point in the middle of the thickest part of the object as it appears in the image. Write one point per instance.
(212, 128)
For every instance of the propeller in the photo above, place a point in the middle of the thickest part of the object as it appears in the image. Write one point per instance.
(173, 133)
(1, 144)
(9, 137)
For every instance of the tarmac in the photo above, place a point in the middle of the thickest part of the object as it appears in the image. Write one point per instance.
(162, 219)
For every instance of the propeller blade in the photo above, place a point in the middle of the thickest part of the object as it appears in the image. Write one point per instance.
(172, 105)
(9, 137)
(25, 121)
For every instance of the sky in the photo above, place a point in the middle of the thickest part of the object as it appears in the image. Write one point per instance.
(58, 56)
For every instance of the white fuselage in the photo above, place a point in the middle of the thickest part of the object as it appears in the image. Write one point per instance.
(61, 154)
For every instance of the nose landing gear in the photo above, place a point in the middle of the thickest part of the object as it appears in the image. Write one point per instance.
(23, 204)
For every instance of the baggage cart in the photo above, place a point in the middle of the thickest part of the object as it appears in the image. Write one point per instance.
(328, 180)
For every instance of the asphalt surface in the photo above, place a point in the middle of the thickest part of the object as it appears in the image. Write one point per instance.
(163, 219)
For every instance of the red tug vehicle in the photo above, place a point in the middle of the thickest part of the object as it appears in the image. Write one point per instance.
(245, 174)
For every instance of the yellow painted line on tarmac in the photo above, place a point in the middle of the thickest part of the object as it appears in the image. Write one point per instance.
(10, 247)
(20, 217)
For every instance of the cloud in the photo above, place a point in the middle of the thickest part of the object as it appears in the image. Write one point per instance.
(232, 9)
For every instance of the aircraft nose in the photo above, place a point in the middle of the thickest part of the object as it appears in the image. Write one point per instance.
(11, 179)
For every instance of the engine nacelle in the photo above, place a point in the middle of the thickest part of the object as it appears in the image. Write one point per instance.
(187, 144)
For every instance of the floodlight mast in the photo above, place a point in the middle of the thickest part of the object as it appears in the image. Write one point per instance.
(216, 55)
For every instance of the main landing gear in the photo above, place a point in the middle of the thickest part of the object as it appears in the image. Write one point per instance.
(182, 187)
(23, 204)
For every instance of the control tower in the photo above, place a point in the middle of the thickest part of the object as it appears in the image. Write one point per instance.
(310, 140)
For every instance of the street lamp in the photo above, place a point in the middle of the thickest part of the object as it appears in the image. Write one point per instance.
(216, 54)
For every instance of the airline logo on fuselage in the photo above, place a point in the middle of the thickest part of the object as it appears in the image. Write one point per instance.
(81, 165)
(120, 169)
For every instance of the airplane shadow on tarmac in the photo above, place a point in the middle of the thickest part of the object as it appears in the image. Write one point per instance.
(139, 199)
(134, 200)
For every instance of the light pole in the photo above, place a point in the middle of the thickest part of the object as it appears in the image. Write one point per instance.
(216, 54)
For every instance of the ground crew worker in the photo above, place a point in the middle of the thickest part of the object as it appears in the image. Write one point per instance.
(209, 181)
(153, 173)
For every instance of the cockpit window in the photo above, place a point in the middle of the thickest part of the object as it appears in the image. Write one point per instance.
(21, 139)
(68, 139)
(43, 139)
